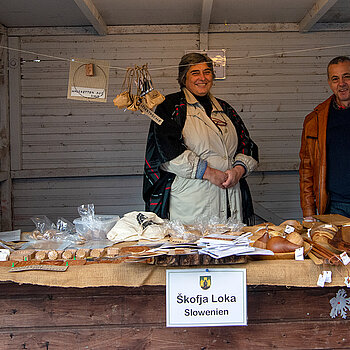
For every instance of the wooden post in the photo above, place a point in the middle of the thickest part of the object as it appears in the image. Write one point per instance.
(5, 177)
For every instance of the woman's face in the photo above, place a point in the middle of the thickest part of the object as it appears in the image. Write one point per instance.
(199, 79)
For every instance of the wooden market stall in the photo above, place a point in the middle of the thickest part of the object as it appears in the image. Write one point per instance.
(58, 153)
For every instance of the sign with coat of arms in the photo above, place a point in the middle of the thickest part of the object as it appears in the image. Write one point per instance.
(205, 282)
(206, 297)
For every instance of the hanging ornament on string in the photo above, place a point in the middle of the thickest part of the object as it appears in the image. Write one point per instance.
(340, 304)
(144, 98)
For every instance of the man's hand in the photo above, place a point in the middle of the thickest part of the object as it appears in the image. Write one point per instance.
(233, 176)
(215, 176)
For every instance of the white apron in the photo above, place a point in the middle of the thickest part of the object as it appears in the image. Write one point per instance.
(191, 197)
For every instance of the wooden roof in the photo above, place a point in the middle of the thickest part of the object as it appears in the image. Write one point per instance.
(104, 16)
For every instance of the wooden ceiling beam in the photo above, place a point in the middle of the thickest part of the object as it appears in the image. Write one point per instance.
(317, 11)
(175, 29)
(91, 13)
(205, 18)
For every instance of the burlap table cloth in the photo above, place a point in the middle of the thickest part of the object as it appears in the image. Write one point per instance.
(265, 272)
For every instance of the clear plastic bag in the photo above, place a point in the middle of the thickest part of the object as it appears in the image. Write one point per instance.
(203, 226)
(178, 231)
(214, 224)
(47, 230)
(44, 228)
(91, 226)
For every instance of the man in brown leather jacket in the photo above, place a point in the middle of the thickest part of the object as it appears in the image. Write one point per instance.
(325, 148)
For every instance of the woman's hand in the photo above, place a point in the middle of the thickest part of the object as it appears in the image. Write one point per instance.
(233, 176)
(215, 176)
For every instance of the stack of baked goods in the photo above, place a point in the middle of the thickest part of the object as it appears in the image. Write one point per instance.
(322, 233)
(283, 239)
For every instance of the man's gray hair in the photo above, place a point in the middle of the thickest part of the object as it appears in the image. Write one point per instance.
(336, 60)
(189, 60)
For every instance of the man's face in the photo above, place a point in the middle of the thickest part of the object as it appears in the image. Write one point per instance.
(199, 79)
(339, 82)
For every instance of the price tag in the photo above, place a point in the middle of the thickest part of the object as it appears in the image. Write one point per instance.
(347, 281)
(308, 233)
(289, 229)
(299, 253)
(344, 258)
(4, 254)
(321, 280)
(327, 276)
(147, 111)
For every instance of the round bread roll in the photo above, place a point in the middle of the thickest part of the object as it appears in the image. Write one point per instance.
(295, 238)
(82, 253)
(41, 255)
(97, 253)
(68, 254)
(53, 255)
(294, 223)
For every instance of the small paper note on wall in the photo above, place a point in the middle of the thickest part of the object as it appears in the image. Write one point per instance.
(92, 87)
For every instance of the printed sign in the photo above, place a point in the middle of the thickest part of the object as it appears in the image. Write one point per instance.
(88, 92)
(202, 297)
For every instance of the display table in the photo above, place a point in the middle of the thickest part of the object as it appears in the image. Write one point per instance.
(262, 272)
(122, 306)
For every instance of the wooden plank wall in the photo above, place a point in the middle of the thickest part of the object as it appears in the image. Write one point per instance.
(75, 152)
(40, 317)
(60, 197)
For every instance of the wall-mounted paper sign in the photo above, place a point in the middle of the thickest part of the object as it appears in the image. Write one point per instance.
(206, 297)
(219, 60)
(88, 80)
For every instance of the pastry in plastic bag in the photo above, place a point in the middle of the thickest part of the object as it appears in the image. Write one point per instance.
(137, 225)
